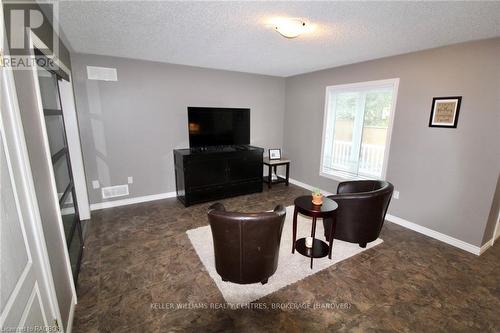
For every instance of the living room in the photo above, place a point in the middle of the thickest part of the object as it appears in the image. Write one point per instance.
(361, 138)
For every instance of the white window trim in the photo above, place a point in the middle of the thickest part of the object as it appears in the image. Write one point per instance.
(344, 176)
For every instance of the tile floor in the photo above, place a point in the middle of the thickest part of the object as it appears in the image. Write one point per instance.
(138, 262)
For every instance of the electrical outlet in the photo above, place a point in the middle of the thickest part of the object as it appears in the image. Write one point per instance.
(130, 180)
(395, 195)
(95, 184)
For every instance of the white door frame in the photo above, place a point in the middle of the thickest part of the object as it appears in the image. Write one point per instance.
(35, 42)
(25, 186)
(72, 132)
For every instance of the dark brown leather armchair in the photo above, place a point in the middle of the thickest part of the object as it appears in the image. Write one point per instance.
(246, 245)
(361, 212)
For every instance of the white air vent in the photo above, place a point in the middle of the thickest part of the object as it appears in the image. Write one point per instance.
(101, 73)
(114, 191)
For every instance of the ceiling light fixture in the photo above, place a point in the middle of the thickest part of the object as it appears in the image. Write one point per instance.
(289, 27)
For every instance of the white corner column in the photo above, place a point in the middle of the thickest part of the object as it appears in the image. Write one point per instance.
(75, 148)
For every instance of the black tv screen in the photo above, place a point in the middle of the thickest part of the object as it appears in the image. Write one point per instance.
(218, 126)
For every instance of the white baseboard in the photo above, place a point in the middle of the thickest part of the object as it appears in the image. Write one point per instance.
(71, 315)
(153, 197)
(306, 186)
(391, 218)
(418, 228)
(130, 201)
(436, 235)
(496, 233)
(486, 246)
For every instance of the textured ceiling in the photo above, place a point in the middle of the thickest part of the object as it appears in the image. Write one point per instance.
(236, 35)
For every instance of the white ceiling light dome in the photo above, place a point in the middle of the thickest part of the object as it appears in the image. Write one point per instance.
(290, 27)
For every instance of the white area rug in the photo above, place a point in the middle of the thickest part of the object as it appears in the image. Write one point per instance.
(291, 267)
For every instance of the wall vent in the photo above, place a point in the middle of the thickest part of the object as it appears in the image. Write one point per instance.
(101, 73)
(114, 191)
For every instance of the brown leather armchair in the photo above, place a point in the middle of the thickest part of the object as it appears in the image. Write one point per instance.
(246, 245)
(361, 212)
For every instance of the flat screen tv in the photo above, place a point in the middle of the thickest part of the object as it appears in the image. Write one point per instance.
(218, 126)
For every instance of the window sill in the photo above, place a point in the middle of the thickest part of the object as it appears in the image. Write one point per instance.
(344, 176)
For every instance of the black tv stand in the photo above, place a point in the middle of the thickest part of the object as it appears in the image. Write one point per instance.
(220, 148)
(209, 173)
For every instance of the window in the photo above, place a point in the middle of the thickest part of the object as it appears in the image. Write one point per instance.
(357, 129)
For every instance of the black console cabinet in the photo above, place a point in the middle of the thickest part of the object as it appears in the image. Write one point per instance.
(206, 175)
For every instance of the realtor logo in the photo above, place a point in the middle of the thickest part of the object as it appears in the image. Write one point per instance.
(25, 20)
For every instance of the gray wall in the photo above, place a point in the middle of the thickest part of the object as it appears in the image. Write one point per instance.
(446, 177)
(130, 127)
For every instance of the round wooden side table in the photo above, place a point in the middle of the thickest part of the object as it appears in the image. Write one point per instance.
(304, 205)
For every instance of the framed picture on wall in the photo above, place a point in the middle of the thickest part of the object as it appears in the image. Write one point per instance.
(274, 154)
(444, 112)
